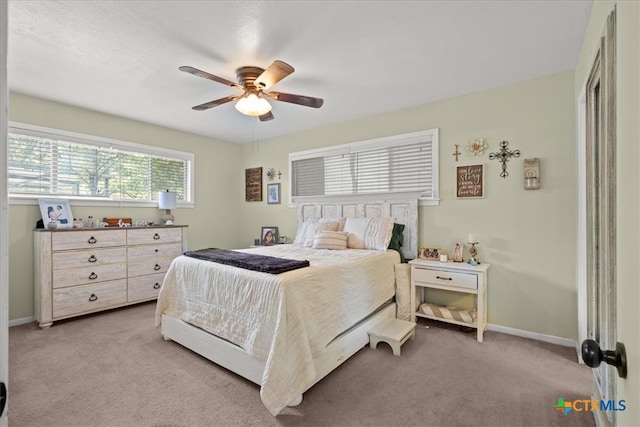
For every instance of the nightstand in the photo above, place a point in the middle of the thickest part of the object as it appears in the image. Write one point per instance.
(452, 277)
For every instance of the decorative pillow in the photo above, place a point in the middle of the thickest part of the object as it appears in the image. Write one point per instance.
(330, 240)
(397, 239)
(320, 224)
(369, 233)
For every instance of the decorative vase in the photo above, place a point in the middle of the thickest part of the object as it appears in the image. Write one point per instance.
(52, 225)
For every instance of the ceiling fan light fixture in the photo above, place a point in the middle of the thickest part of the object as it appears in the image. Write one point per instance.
(253, 105)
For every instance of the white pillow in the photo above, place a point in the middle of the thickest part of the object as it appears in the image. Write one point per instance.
(369, 233)
(301, 233)
(321, 225)
(330, 240)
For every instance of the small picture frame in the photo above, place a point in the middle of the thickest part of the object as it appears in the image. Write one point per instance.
(273, 194)
(432, 254)
(56, 211)
(456, 253)
(269, 236)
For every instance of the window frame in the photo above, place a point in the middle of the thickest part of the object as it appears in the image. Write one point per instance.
(75, 137)
(384, 142)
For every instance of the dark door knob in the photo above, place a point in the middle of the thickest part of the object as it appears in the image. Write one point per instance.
(593, 356)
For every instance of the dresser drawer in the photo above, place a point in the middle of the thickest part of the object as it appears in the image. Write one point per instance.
(88, 258)
(88, 275)
(170, 250)
(87, 239)
(88, 298)
(142, 267)
(445, 278)
(145, 236)
(144, 287)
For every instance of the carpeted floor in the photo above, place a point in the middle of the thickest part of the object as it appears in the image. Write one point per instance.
(114, 369)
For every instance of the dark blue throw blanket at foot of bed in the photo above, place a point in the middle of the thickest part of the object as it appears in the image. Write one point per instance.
(255, 262)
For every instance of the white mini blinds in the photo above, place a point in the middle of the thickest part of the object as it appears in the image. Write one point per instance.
(53, 162)
(398, 164)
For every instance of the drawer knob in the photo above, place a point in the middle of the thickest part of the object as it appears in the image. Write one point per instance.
(92, 240)
(156, 250)
(156, 236)
(93, 258)
(93, 276)
(443, 278)
(156, 286)
(157, 267)
(93, 298)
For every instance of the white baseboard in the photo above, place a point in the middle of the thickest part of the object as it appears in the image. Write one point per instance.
(533, 335)
(16, 322)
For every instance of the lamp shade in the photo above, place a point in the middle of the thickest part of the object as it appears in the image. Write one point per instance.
(167, 200)
(253, 105)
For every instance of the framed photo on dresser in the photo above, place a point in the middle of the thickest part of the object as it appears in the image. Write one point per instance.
(56, 211)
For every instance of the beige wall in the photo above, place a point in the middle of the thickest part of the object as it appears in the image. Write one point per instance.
(528, 236)
(628, 177)
(212, 222)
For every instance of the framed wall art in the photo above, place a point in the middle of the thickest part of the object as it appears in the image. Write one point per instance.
(273, 194)
(469, 181)
(253, 184)
(56, 211)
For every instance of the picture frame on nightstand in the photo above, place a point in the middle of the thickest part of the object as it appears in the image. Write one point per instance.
(432, 254)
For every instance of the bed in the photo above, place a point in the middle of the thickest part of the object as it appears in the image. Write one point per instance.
(287, 331)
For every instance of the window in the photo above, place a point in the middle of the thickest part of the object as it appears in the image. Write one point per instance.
(47, 162)
(402, 164)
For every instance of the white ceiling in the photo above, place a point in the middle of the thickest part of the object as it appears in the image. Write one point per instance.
(362, 57)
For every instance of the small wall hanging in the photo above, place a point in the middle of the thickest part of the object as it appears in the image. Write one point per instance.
(503, 155)
(271, 174)
(531, 174)
(253, 184)
(477, 147)
(456, 152)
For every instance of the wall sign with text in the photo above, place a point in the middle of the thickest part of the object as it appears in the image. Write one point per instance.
(470, 181)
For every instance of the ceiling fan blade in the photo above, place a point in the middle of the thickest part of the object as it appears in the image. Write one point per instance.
(307, 101)
(273, 74)
(208, 76)
(266, 117)
(215, 103)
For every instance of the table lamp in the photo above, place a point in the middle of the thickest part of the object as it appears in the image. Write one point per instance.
(167, 200)
(472, 239)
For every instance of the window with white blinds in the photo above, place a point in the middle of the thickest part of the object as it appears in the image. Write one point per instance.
(405, 163)
(47, 162)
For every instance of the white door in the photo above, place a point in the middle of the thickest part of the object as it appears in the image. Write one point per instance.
(4, 229)
(600, 202)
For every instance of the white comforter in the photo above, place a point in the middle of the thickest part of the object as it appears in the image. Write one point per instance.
(285, 319)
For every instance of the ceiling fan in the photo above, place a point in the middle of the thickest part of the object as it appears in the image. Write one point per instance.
(253, 82)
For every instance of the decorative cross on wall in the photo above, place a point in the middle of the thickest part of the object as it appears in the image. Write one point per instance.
(503, 156)
(456, 153)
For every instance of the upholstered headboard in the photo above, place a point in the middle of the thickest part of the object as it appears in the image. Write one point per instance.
(403, 211)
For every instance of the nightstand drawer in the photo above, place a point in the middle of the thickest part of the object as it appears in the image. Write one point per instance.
(446, 278)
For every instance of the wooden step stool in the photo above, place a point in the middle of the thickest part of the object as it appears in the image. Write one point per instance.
(394, 332)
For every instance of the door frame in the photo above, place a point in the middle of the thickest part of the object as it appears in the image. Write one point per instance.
(4, 209)
(597, 163)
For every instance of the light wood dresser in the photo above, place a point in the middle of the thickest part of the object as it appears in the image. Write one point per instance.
(80, 271)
